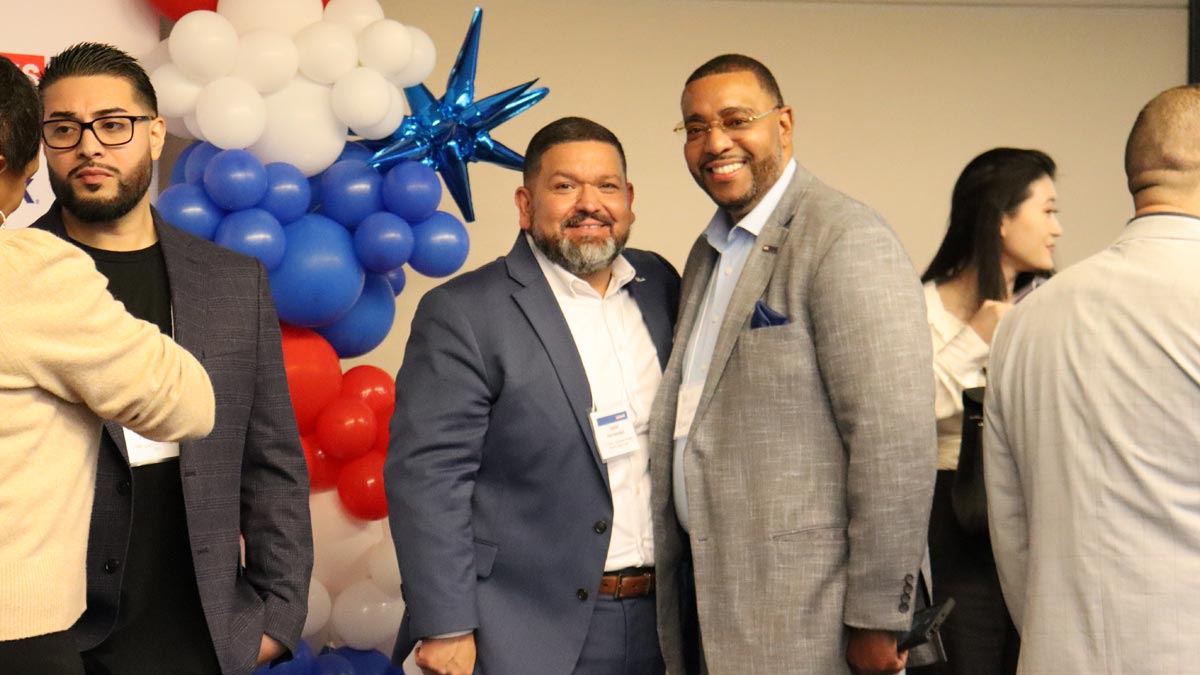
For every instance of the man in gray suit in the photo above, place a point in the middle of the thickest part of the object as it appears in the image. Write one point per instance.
(167, 589)
(793, 449)
(1092, 439)
(517, 476)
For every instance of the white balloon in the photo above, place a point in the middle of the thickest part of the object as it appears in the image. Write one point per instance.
(327, 51)
(421, 64)
(176, 92)
(384, 567)
(204, 45)
(177, 126)
(267, 60)
(389, 123)
(319, 607)
(356, 14)
(284, 16)
(193, 128)
(363, 615)
(231, 114)
(362, 98)
(156, 57)
(386, 46)
(340, 542)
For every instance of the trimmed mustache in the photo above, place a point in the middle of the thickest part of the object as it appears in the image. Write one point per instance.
(578, 218)
(93, 165)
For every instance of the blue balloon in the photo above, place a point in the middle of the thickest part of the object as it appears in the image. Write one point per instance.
(394, 670)
(366, 662)
(440, 245)
(350, 191)
(235, 179)
(397, 279)
(254, 232)
(301, 663)
(412, 191)
(188, 207)
(179, 169)
(355, 151)
(288, 193)
(320, 278)
(383, 241)
(331, 663)
(367, 323)
(314, 188)
(197, 162)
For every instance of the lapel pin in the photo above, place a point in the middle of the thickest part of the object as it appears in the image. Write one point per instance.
(767, 248)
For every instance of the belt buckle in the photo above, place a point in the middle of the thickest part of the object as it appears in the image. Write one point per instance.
(646, 576)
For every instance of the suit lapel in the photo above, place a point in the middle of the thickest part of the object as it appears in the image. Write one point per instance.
(752, 283)
(652, 302)
(189, 302)
(537, 302)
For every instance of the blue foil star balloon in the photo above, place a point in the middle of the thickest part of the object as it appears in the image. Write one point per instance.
(449, 132)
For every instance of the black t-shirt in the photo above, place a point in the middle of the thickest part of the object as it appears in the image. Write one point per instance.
(160, 624)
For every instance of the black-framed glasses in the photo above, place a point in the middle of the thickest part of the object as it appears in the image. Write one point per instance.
(732, 123)
(110, 130)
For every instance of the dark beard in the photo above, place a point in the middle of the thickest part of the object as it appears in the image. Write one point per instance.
(129, 192)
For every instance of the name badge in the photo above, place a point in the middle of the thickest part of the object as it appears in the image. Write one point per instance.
(614, 432)
(142, 450)
(685, 410)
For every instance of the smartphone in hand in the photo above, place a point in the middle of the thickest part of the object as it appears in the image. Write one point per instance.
(925, 624)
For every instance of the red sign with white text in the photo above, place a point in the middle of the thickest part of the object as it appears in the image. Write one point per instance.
(31, 64)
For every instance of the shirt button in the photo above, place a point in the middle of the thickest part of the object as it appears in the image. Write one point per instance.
(728, 271)
(581, 594)
(600, 527)
(124, 487)
(112, 565)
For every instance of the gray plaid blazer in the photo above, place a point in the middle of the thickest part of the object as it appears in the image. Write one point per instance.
(811, 459)
(248, 476)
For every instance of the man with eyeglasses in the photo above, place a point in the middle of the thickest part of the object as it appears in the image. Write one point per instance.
(168, 589)
(792, 446)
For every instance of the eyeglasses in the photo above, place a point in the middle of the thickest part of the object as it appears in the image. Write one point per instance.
(111, 130)
(731, 124)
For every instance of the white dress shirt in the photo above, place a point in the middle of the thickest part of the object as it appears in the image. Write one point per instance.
(623, 371)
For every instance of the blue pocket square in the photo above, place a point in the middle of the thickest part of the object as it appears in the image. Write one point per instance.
(765, 317)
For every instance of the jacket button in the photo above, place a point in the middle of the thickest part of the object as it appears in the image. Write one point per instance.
(600, 527)
(124, 487)
(581, 594)
(908, 588)
(908, 578)
(112, 565)
(904, 607)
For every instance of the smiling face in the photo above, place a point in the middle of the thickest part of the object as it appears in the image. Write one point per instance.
(1029, 232)
(736, 167)
(93, 182)
(578, 207)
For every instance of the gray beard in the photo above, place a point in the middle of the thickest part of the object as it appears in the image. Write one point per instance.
(578, 259)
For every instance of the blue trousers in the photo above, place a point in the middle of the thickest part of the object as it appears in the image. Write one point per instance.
(622, 639)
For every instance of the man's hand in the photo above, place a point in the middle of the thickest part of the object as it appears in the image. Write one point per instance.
(447, 656)
(270, 649)
(873, 652)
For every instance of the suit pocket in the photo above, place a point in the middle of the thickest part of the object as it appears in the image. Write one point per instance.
(485, 557)
(836, 533)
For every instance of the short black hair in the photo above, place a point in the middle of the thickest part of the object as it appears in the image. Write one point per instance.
(20, 117)
(566, 130)
(992, 185)
(95, 58)
(739, 63)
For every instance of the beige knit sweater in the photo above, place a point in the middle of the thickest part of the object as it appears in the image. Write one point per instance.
(69, 356)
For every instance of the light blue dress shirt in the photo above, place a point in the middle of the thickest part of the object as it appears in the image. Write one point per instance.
(733, 244)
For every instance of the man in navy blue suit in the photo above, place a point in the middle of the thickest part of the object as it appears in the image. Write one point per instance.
(518, 474)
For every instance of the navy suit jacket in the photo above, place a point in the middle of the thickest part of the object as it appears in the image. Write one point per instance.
(247, 477)
(495, 487)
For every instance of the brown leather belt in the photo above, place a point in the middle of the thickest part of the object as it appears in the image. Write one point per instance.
(635, 583)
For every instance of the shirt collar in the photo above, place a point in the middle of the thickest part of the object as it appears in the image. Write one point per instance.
(720, 231)
(567, 285)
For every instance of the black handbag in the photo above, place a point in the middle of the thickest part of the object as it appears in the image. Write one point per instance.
(968, 495)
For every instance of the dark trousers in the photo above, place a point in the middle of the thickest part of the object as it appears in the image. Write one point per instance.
(979, 636)
(622, 639)
(52, 654)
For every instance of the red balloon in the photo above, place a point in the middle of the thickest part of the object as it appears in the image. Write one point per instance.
(383, 435)
(374, 386)
(360, 487)
(346, 429)
(313, 372)
(173, 9)
(323, 470)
